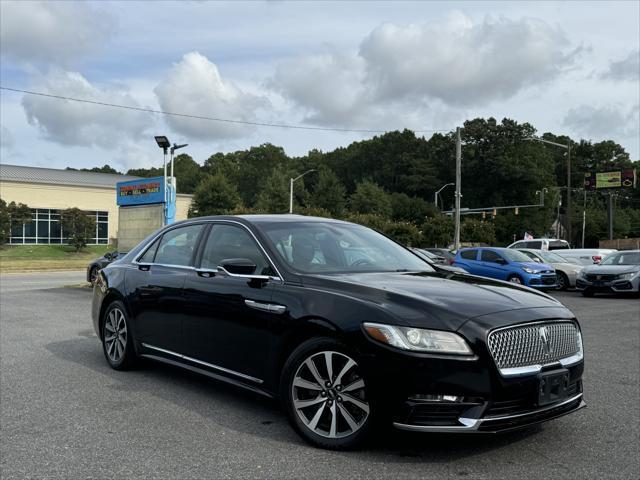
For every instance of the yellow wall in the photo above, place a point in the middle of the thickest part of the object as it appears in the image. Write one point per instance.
(39, 195)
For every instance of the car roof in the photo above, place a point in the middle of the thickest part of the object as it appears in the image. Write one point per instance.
(265, 218)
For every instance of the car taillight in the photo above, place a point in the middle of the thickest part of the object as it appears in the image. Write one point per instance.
(451, 261)
(596, 258)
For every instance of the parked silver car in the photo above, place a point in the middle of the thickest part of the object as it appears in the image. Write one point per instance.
(566, 272)
(617, 273)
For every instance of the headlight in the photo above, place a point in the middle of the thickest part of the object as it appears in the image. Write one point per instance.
(627, 276)
(418, 339)
(582, 274)
(530, 270)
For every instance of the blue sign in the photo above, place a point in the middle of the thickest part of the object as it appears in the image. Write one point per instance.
(140, 192)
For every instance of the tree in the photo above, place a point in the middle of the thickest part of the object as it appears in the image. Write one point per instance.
(12, 214)
(437, 231)
(370, 198)
(410, 209)
(477, 231)
(187, 173)
(78, 227)
(329, 193)
(274, 196)
(214, 195)
(146, 172)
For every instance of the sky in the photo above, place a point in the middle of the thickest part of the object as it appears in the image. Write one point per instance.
(565, 67)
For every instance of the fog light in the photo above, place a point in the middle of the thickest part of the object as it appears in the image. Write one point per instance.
(436, 398)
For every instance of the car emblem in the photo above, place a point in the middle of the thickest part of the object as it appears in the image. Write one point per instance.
(544, 336)
(598, 277)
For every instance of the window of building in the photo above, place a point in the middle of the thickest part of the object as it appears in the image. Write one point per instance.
(45, 228)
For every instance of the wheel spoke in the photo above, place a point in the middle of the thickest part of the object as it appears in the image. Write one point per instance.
(313, 423)
(302, 383)
(347, 416)
(358, 403)
(109, 327)
(307, 403)
(334, 420)
(110, 338)
(354, 386)
(328, 362)
(314, 371)
(350, 364)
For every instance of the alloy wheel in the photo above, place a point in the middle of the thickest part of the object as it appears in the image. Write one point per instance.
(515, 280)
(115, 335)
(329, 395)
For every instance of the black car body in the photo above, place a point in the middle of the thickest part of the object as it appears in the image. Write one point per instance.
(99, 263)
(244, 312)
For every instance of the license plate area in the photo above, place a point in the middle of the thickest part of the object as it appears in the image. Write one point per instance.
(552, 386)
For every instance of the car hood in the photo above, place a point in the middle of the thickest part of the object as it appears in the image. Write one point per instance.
(610, 269)
(535, 265)
(435, 300)
(571, 267)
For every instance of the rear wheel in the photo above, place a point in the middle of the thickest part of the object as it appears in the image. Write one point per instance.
(562, 281)
(117, 341)
(325, 396)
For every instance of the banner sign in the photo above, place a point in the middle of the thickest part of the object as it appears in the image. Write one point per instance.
(616, 179)
(140, 192)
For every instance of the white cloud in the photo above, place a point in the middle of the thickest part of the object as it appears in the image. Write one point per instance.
(194, 86)
(609, 121)
(625, 69)
(51, 32)
(6, 138)
(454, 63)
(74, 123)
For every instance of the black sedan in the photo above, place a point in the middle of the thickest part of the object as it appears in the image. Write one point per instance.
(347, 328)
(99, 263)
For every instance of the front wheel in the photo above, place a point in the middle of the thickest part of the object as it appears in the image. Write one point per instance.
(562, 281)
(325, 395)
(515, 279)
(117, 341)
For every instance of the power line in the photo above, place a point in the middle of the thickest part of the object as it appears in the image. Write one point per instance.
(201, 117)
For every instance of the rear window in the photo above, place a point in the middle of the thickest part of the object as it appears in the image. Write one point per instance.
(469, 254)
(559, 245)
(535, 244)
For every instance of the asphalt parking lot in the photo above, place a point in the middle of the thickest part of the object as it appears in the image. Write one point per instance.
(65, 413)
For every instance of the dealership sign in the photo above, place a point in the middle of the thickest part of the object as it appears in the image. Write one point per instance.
(616, 179)
(141, 192)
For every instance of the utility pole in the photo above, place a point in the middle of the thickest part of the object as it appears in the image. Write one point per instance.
(610, 211)
(569, 192)
(584, 214)
(458, 194)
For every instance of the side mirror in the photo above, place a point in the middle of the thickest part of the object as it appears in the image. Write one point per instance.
(108, 256)
(238, 266)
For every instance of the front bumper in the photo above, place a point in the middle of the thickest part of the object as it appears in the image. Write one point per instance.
(541, 281)
(609, 286)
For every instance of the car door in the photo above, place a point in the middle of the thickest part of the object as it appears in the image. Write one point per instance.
(493, 264)
(467, 259)
(155, 287)
(229, 318)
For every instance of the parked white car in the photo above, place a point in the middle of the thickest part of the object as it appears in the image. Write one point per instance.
(545, 244)
(586, 256)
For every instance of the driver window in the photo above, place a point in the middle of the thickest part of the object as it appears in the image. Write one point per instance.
(490, 256)
(228, 241)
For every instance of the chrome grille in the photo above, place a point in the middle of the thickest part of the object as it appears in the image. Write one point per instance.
(534, 344)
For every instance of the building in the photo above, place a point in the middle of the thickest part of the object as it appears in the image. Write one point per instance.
(47, 191)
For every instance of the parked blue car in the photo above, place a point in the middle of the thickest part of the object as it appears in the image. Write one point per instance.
(506, 264)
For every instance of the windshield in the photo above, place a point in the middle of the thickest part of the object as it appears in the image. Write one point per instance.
(514, 255)
(552, 257)
(315, 247)
(622, 258)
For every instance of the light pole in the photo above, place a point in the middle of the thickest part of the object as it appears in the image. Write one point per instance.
(164, 143)
(438, 193)
(567, 147)
(291, 180)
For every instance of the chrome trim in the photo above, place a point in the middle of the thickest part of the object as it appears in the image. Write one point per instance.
(534, 412)
(472, 424)
(267, 307)
(196, 222)
(242, 275)
(210, 365)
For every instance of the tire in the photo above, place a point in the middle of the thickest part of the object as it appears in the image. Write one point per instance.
(93, 275)
(119, 353)
(515, 279)
(562, 281)
(587, 293)
(337, 414)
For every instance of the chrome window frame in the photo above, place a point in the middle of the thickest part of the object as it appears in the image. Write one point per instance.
(217, 270)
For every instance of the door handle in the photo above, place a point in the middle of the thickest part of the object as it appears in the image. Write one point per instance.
(144, 268)
(206, 273)
(266, 307)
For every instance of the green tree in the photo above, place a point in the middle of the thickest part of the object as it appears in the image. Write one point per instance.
(370, 198)
(187, 173)
(477, 231)
(410, 209)
(329, 193)
(146, 172)
(274, 195)
(12, 214)
(78, 227)
(437, 231)
(214, 195)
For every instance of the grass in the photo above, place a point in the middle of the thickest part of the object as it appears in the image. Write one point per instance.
(23, 258)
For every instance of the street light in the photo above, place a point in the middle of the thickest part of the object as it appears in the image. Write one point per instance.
(567, 147)
(291, 180)
(438, 192)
